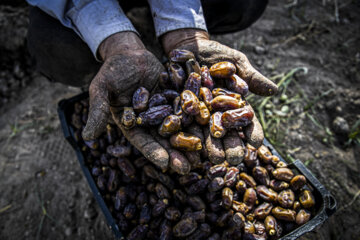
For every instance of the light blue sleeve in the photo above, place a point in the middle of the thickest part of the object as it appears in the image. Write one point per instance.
(170, 15)
(92, 20)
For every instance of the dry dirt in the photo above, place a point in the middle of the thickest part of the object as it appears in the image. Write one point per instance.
(43, 192)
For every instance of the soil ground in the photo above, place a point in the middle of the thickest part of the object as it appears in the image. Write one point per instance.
(307, 47)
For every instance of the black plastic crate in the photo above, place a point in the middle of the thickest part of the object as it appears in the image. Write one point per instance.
(325, 202)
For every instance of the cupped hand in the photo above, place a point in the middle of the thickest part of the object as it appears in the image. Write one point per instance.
(127, 66)
(209, 52)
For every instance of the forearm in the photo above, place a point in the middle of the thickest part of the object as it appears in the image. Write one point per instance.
(94, 21)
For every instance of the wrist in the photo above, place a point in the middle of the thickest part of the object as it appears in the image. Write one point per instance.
(177, 38)
(119, 42)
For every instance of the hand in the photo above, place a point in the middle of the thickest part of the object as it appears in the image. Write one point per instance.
(209, 52)
(127, 66)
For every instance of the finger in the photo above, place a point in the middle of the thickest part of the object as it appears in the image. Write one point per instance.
(146, 144)
(234, 147)
(98, 112)
(177, 161)
(254, 132)
(258, 84)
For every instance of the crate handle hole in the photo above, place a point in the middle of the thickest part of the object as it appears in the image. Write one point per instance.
(331, 208)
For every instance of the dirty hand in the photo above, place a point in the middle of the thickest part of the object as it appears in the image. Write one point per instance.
(209, 52)
(127, 66)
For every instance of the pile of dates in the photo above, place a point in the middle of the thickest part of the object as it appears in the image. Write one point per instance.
(218, 186)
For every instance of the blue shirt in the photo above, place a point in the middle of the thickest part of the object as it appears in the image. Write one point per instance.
(95, 20)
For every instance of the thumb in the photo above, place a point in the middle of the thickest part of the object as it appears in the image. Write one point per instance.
(258, 83)
(98, 112)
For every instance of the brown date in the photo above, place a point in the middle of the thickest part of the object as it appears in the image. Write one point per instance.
(159, 208)
(221, 91)
(286, 198)
(126, 167)
(150, 171)
(227, 197)
(172, 214)
(190, 103)
(218, 170)
(119, 150)
(224, 218)
(240, 117)
(157, 99)
(140, 99)
(186, 120)
(250, 197)
(197, 187)
(153, 116)
(284, 174)
(222, 69)
(170, 95)
(185, 227)
(240, 186)
(302, 217)
(240, 207)
(113, 180)
(120, 199)
(249, 227)
(145, 214)
(250, 157)
(185, 142)
(284, 214)
(206, 79)
(265, 154)
(223, 103)
(217, 130)
(141, 199)
(298, 182)
(231, 176)
(193, 83)
(128, 118)
(179, 195)
(177, 75)
(263, 210)
(306, 199)
(165, 230)
(196, 203)
(296, 206)
(216, 184)
(239, 220)
(204, 116)
(237, 84)
(206, 96)
(267, 194)
(202, 232)
(177, 106)
(278, 185)
(249, 180)
(271, 225)
(192, 66)
(130, 211)
(139, 232)
(261, 175)
(161, 191)
(180, 55)
(189, 179)
(170, 125)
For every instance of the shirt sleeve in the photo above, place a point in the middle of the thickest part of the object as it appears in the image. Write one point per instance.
(170, 15)
(92, 20)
